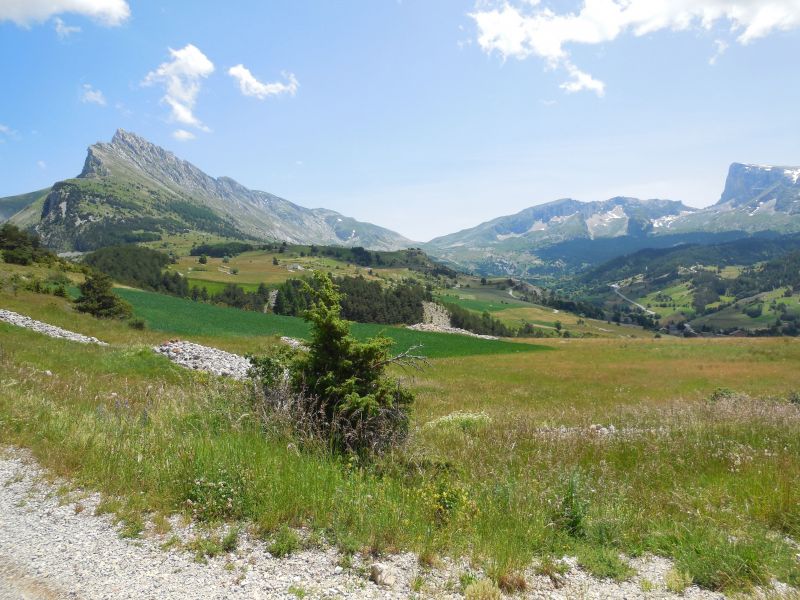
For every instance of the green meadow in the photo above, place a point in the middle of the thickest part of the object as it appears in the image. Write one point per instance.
(506, 463)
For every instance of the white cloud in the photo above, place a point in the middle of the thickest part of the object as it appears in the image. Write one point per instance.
(250, 86)
(580, 81)
(182, 78)
(63, 30)
(6, 132)
(25, 12)
(41, 164)
(92, 96)
(721, 46)
(528, 29)
(182, 135)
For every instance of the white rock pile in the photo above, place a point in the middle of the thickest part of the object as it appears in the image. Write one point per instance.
(204, 358)
(440, 329)
(51, 330)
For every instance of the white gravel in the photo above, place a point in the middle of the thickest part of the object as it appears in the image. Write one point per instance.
(205, 358)
(52, 546)
(51, 330)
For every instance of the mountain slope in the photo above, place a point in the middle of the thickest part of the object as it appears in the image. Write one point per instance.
(131, 190)
(567, 236)
(514, 244)
(755, 198)
(11, 205)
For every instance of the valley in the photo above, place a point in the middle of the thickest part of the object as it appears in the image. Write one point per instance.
(613, 421)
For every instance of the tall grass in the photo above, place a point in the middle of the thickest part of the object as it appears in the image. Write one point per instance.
(714, 484)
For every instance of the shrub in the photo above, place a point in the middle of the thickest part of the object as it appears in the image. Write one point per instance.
(98, 300)
(338, 390)
(285, 542)
(138, 324)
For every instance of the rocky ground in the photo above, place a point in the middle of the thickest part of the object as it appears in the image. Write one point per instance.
(205, 358)
(51, 330)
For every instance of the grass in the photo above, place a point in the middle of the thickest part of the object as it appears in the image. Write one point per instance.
(713, 484)
(186, 318)
(501, 464)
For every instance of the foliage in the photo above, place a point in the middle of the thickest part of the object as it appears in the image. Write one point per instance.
(20, 247)
(484, 324)
(362, 301)
(221, 249)
(98, 300)
(342, 390)
(138, 267)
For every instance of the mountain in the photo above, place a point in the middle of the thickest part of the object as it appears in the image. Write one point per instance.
(568, 236)
(513, 245)
(755, 198)
(132, 190)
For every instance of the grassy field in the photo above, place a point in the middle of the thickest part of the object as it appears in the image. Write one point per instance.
(187, 318)
(253, 268)
(501, 464)
(505, 462)
(515, 312)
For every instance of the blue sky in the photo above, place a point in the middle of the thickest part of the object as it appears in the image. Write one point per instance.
(422, 116)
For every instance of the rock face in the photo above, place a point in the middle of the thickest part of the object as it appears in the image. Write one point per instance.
(133, 190)
(435, 314)
(747, 184)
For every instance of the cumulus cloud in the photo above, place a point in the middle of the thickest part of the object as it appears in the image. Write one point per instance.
(26, 12)
(63, 30)
(92, 96)
(250, 86)
(182, 135)
(529, 29)
(182, 79)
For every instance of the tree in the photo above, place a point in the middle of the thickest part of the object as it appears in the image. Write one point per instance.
(341, 381)
(98, 300)
(203, 259)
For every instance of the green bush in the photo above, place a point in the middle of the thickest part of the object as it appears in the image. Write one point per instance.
(338, 390)
(98, 300)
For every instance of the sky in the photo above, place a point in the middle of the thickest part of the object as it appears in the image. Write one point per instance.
(423, 116)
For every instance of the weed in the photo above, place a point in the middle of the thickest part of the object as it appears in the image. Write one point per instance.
(466, 579)
(571, 516)
(554, 569)
(512, 582)
(484, 589)
(171, 543)
(417, 583)
(297, 591)
(677, 581)
(604, 563)
(132, 528)
(647, 586)
(285, 541)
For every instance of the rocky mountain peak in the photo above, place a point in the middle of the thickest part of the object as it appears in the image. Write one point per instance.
(748, 183)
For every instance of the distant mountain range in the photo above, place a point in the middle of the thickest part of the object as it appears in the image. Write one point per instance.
(132, 190)
(566, 236)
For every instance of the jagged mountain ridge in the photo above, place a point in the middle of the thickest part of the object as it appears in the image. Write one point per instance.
(567, 235)
(130, 190)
